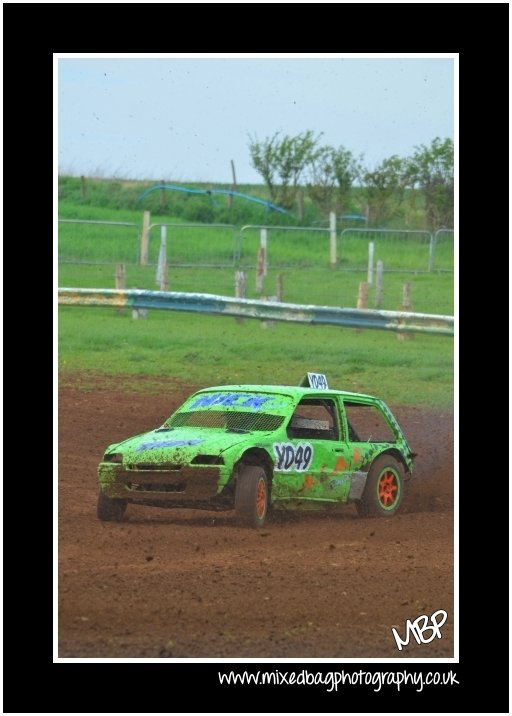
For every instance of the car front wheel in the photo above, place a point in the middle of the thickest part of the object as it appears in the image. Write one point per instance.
(252, 496)
(109, 510)
(384, 488)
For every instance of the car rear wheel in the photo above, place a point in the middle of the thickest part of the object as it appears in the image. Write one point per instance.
(384, 488)
(110, 510)
(252, 496)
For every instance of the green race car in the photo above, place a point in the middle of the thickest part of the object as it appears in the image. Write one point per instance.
(252, 447)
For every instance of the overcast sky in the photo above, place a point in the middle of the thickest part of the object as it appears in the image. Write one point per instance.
(181, 119)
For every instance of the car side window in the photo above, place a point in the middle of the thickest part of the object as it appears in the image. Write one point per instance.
(314, 419)
(367, 424)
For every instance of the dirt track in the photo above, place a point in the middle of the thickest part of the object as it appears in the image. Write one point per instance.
(181, 583)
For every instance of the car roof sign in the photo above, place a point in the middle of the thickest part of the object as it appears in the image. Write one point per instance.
(318, 381)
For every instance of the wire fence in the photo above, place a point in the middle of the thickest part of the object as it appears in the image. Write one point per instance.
(98, 242)
(443, 258)
(85, 241)
(285, 246)
(205, 257)
(399, 249)
(195, 244)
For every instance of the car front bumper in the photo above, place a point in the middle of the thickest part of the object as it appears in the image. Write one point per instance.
(186, 486)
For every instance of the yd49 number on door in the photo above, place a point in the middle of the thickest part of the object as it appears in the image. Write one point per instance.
(293, 457)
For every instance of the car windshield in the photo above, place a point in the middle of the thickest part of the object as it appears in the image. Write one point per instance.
(236, 411)
(232, 421)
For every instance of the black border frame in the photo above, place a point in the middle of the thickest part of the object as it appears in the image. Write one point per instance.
(479, 33)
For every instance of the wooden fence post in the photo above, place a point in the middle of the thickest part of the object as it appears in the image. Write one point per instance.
(120, 281)
(162, 257)
(371, 248)
(260, 269)
(264, 247)
(362, 296)
(405, 306)
(240, 284)
(144, 238)
(379, 291)
(333, 259)
(120, 277)
(164, 277)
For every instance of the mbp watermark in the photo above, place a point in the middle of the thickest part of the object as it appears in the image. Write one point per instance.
(418, 628)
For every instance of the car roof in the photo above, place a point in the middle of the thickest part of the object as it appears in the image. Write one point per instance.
(287, 390)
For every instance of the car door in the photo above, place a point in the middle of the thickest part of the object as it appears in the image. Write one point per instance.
(312, 463)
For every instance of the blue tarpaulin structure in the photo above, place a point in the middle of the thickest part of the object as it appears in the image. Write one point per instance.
(226, 192)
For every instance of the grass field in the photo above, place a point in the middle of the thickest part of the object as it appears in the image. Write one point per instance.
(208, 350)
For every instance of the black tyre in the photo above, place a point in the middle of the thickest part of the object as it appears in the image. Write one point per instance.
(110, 510)
(252, 496)
(384, 488)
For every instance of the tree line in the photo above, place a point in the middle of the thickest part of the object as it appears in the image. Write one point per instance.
(292, 164)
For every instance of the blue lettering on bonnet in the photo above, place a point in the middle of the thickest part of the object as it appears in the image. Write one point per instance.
(254, 401)
(231, 399)
(204, 401)
(168, 443)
